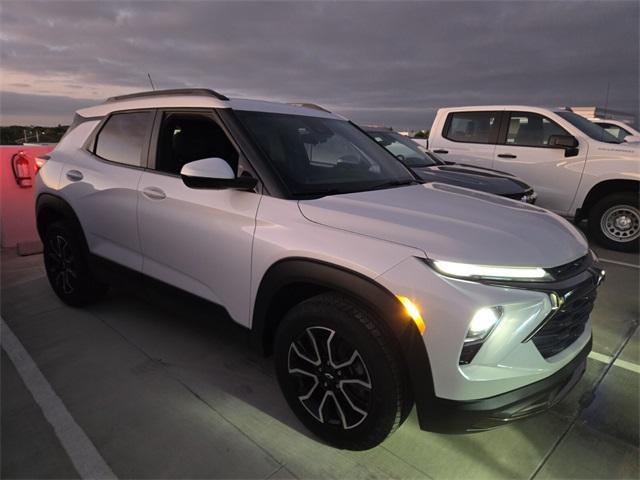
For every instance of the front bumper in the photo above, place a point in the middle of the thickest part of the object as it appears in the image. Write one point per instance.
(450, 416)
(518, 371)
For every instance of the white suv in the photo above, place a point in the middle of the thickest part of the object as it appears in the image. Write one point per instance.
(373, 291)
(578, 169)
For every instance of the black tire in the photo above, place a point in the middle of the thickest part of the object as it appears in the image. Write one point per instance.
(358, 353)
(603, 228)
(67, 266)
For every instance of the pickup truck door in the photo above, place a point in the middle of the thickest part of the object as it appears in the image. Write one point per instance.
(467, 137)
(523, 150)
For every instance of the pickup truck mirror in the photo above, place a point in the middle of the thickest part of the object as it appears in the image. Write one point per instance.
(563, 141)
(214, 173)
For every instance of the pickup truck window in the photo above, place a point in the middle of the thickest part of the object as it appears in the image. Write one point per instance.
(472, 127)
(615, 130)
(531, 129)
(588, 128)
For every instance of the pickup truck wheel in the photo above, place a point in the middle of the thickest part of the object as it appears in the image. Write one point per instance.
(614, 222)
(340, 372)
(67, 268)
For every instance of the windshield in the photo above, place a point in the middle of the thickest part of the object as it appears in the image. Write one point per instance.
(405, 149)
(323, 156)
(588, 128)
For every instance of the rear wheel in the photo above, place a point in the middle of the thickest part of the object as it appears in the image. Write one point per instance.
(614, 222)
(67, 266)
(341, 372)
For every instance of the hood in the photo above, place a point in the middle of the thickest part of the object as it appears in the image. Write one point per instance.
(485, 180)
(455, 224)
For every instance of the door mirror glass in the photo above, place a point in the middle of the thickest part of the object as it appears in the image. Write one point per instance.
(563, 141)
(214, 173)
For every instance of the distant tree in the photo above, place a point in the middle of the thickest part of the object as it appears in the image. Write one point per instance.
(422, 134)
(19, 134)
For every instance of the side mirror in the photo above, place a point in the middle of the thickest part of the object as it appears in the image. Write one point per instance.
(563, 141)
(215, 174)
(632, 138)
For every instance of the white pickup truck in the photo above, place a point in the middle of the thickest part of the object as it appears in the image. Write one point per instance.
(578, 169)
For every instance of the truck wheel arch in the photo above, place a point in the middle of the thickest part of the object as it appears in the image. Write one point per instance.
(602, 189)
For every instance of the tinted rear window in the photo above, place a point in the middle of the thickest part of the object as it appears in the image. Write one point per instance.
(123, 137)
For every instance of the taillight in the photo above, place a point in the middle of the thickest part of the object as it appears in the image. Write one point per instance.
(40, 161)
(20, 165)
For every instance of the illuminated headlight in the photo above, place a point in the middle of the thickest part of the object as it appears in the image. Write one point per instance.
(471, 271)
(482, 323)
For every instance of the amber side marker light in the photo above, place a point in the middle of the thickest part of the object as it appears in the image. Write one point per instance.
(413, 311)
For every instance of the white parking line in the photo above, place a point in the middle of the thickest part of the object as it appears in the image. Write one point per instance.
(83, 454)
(600, 357)
(618, 262)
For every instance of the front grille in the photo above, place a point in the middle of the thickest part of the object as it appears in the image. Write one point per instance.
(569, 321)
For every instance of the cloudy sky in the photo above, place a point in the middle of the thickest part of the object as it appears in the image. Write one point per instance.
(385, 62)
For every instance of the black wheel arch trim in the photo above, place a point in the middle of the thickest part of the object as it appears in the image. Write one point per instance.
(327, 276)
(47, 203)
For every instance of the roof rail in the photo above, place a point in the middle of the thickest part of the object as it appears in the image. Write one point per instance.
(309, 105)
(161, 93)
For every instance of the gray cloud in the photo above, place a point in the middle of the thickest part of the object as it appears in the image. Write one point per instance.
(382, 62)
(22, 108)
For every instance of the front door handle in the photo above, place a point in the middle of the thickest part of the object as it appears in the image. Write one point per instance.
(441, 151)
(507, 155)
(74, 175)
(154, 193)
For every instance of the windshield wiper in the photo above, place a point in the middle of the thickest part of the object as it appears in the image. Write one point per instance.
(396, 183)
(320, 193)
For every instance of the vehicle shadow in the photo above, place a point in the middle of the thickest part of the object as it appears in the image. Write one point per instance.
(199, 345)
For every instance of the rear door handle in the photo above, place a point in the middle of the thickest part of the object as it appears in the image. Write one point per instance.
(74, 175)
(507, 155)
(154, 193)
(441, 151)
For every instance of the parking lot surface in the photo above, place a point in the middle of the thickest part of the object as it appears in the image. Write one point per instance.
(142, 385)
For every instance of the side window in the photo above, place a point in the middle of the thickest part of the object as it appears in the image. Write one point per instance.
(122, 138)
(614, 130)
(472, 127)
(531, 130)
(185, 137)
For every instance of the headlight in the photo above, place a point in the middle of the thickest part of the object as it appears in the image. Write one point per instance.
(482, 323)
(489, 272)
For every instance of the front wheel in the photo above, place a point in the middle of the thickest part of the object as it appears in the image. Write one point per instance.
(341, 373)
(614, 222)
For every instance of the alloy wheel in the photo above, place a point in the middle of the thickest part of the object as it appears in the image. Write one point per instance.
(331, 378)
(61, 264)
